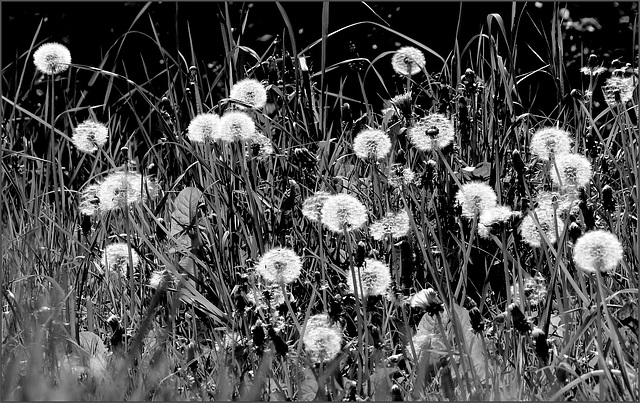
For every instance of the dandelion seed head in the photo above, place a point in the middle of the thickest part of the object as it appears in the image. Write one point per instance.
(374, 276)
(550, 141)
(158, 276)
(116, 258)
(395, 225)
(120, 189)
(372, 143)
(425, 298)
(203, 127)
(260, 146)
(597, 250)
(90, 135)
(432, 132)
(408, 61)
(530, 232)
(474, 198)
(280, 265)
(534, 290)
(492, 217)
(249, 91)
(236, 126)
(400, 175)
(343, 211)
(574, 170)
(264, 296)
(52, 58)
(312, 205)
(402, 104)
(619, 90)
(322, 340)
(89, 202)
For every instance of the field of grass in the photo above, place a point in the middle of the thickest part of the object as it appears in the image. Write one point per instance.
(255, 231)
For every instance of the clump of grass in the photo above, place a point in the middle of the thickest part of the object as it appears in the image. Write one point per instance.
(261, 234)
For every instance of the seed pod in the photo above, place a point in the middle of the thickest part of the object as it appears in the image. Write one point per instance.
(191, 355)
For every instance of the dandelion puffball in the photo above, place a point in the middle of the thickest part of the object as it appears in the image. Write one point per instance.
(342, 211)
(249, 91)
(236, 126)
(280, 265)
(573, 170)
(52, 58)
(432, 132)
(371, 143)
(117, 190)
(374, 276)
(204, 126)
(395, 225)
(322, 340)
(90, 135)
(550, 141)
(312, 205)
(116, 258)
(408, 61)
(474, 198)
(597, 250)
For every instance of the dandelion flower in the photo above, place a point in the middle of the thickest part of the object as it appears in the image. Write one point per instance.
(400, 175)
(312, 206)
(597, 250)
(280, 265)
(204, 127)
(90, 135)
(374, 276)
(408, 61)
(475, 197)
(236, 126)
(492, 217)
(535, 290)
(52, 58)
(619, 90)
(394, 224)
(426, 299)
(432, 132)
(343, 211)
(250, 92)
(372, 143)
(531, 233)
(574, 170)
(322, 340)
(550, 141)
(116, 258)
(117, 190)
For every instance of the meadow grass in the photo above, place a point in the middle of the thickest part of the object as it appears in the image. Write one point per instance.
(476, 306)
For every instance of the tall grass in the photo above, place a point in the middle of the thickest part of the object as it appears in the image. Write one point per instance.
(202, 338)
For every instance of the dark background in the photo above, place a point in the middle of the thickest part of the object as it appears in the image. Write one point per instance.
(89, 29)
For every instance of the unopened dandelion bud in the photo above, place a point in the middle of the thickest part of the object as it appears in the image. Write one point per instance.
(469, 74)
(592, 61)
(576, 94)
(475, 317)
(446, 383)
(607, 198)
(574, 231)
(258, 334)
(541, 343)
(587, 214)
(401, 157)
(518, 319)
(396, 394)
(518, 163)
